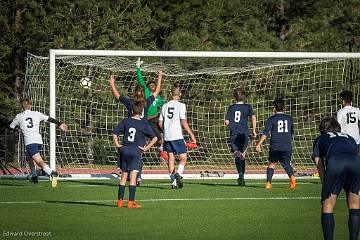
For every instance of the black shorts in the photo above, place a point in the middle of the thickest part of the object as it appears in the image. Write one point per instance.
(154, 123)
(239, 142)
(284, 157)
(341, 172)
(129, 159)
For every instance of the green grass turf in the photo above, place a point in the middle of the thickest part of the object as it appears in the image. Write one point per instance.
(203, 209)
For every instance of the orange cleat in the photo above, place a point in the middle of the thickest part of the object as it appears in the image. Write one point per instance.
(268, 185)
(292, 182)
(191, 145)
(133, 204)
(164, 155)
(120, 203)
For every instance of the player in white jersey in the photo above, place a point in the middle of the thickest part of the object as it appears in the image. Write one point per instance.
(349, 116)
(29, 122)
(172, 119)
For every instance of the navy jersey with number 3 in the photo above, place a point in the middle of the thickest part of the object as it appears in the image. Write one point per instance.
(135, 132)
(280, 128)
(238, 116)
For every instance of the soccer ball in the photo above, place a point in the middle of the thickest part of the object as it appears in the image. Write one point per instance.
(85, 82)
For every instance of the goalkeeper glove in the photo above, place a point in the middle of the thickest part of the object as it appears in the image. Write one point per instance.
(139, 63)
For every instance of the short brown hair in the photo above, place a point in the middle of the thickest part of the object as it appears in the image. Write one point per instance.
(329, 124)
(26, 103)
(138, 107)
(239, 94)
(176, 91)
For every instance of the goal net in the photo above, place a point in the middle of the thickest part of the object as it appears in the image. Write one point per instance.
(310, 87)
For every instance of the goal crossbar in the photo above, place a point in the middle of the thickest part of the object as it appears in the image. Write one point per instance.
(190, 54)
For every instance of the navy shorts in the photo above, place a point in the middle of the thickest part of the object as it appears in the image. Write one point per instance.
(33, 149)
(154, 123)
(239, 142)
(176, 146)
(342, 172)
(284, 157)
(129, 159)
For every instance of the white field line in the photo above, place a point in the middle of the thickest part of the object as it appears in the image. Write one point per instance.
(172, 199)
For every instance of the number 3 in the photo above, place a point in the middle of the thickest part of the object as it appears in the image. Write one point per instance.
(132, 132)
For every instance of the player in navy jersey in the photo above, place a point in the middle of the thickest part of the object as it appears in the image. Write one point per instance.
(237, 118)
(139, 95)
(336, 157)
(280, 128)
(135, 132)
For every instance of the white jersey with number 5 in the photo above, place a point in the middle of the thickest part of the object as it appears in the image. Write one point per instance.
(349, 118)
(172, 113)
(29, 122)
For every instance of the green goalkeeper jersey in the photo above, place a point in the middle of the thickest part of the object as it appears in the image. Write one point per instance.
(153, 109)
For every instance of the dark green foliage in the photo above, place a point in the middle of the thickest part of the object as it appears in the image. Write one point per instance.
(277, 25)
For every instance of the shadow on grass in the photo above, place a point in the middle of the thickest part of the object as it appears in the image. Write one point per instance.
(83, 203)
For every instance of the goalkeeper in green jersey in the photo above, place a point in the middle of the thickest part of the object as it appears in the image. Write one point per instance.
(153, 110)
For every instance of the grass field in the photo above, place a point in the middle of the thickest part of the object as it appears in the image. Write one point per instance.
(203, 209)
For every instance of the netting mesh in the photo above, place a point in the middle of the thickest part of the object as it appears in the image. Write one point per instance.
(310, 87)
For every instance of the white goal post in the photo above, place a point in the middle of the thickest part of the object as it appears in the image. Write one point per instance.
(55, 53)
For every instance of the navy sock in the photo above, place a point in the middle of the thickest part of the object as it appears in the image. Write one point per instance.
(132, 191)
(269, 174)
(328, 225)
(354, 223)
(121, 192)
(238, 165)
(289, 170)
(243, 166)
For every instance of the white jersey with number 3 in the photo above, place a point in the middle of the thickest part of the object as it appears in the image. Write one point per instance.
(29, 122)
(349, 118)
(172, 113)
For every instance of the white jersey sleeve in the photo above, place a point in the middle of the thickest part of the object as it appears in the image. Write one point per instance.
(15, 122)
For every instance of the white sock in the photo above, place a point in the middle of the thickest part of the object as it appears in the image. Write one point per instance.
(47, 169)
(180, 169)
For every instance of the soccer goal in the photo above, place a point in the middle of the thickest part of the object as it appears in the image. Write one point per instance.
(309, 82)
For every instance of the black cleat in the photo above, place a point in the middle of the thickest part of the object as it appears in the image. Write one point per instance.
(178, 180)
(241, 181)
(34, 179)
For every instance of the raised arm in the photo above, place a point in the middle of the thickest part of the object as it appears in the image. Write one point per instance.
(140, 78)
(113, 88)
(158, 85)
(185, 125)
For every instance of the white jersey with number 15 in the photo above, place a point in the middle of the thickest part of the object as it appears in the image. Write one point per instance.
(349, 118)
(172, 113)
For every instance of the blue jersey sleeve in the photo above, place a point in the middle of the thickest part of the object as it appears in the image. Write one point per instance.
(228, 113)
(119, 129)
(251, 112)
(316, 150)
(268, 127)
(150, 100)
(128, 103)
